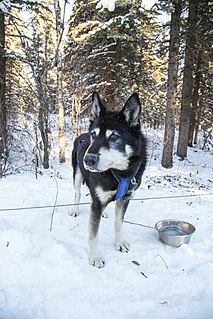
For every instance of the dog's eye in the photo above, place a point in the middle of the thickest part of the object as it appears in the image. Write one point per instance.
(114, 137)
(93, 135)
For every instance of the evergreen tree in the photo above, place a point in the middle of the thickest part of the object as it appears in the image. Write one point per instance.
(5, 14)
(105, 51)
(167, 157)
(187, 85)
(201, 108)
(195, 39)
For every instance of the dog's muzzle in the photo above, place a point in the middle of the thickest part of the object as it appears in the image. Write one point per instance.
(91, 161)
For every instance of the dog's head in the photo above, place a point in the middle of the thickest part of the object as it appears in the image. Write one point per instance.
(114, 136)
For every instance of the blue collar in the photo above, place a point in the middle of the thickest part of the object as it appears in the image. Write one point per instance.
(125, 183)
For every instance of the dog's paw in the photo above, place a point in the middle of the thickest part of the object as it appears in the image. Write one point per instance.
(122, 246)
(97, 261)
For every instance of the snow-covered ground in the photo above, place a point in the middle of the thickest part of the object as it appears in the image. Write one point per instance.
(46, 275)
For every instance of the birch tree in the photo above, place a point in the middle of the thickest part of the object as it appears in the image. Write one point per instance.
(39, 52)
(59, 87)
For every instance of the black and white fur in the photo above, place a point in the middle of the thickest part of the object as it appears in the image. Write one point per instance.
(114, 146)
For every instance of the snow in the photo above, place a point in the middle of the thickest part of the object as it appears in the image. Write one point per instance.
(46, 274)
(148, 4)
(110, 4)
(106, 4)
(6, 5)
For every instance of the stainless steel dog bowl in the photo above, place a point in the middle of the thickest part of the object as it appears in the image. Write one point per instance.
(174, 232)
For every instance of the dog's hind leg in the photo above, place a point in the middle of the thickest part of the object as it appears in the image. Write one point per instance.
(77, 186)
(120, 209)
(95, 257)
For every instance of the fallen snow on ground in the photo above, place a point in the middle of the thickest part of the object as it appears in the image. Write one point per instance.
(46, 275)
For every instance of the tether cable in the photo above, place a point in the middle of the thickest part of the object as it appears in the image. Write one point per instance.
(88, 203)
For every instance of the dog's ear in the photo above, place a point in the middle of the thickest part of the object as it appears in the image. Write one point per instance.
(97, 106)
(132, 110)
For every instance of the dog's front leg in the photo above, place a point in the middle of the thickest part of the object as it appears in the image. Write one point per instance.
(120, 209)
(95, 257)
(77, 186)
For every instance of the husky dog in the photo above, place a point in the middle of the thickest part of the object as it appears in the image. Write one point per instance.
(110, 159)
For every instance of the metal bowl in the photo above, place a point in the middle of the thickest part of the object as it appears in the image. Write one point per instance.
(174, 232)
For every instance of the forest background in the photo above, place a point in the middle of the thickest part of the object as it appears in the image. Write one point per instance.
(50, 65)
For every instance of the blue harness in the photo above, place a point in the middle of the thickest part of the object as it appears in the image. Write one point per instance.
(123, 182)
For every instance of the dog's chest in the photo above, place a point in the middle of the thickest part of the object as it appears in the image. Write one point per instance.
(103, 195)
(107, 196)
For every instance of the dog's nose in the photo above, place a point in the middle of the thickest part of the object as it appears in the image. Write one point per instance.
(91, 160)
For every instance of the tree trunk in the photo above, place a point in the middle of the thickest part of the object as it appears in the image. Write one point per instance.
(59, 89)
(44, 118)
(44, 130)
(195, 98)
(61, 120)
(187, 80)
(3, 113)
(167, 158)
